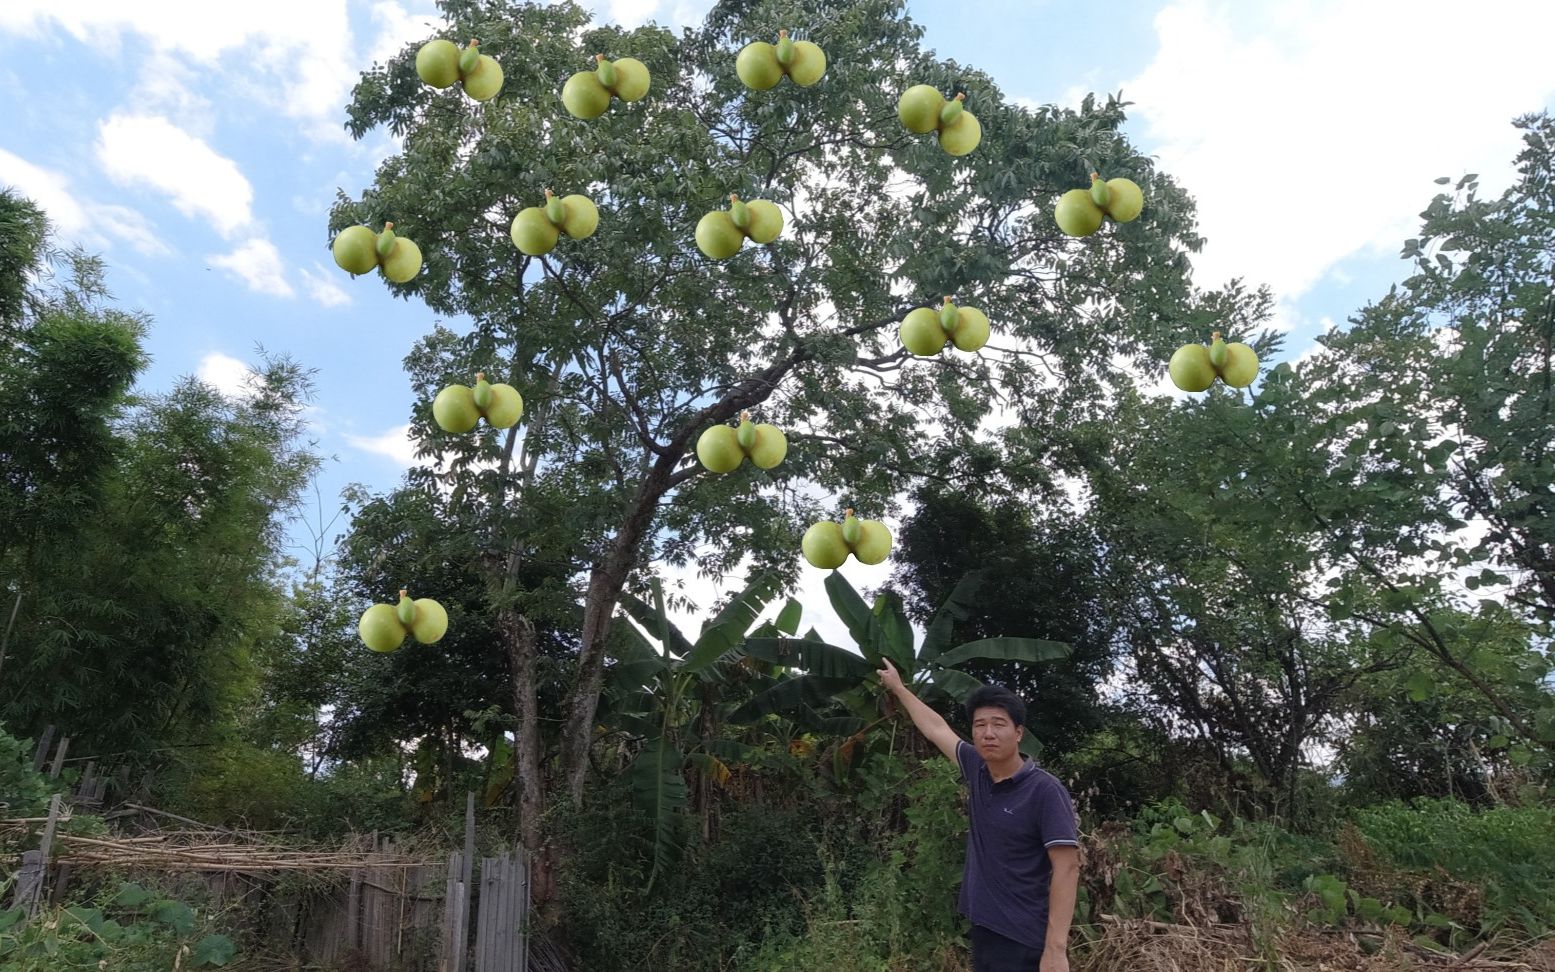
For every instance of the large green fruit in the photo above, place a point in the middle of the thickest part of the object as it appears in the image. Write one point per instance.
(823, 545)
(380, 628)
(972, 330)
(874, 544)
(438, 63)
(919, 108)
(1241, 365)
(717, 236)
(770, 448)
(921, 332)
(962, 135)
(1077, 214)
(766, 221)
(533, 232)
(431, 621)
(808, 65)
(584, 96)
(632, 79)
(404, 262)
(1124, 200)
(757, 65)
(356, 249)
(485, 81)
(454, 409)
(1190, 368)
(505, 408)
(719, 450)
(582, 217)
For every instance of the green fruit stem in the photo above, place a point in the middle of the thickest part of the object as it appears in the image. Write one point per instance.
(606, 72)
(1217, 351)
(1100, 194)
(952, 110)
(555, 209)
(745, 435)
(386, 241)
(739, 213)
(405, 609)
(852, 529)
(785, 49)
(469, 57)
(947, 316)
(481, 392)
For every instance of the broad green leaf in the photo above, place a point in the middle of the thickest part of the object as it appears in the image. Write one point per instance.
(896, 632)
(728, 629)
(813, 657)
(957, 607)
(659, 792)
(788, 618)
(131, 896)
(790, 695)
(174, 914)
(855, 614)
(213, 951)
(1421, 686)
(656, 624)
(1007, 649)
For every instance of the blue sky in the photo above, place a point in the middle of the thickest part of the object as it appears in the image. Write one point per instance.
(197, 146)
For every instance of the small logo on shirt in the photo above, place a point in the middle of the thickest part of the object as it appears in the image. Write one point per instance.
(1008, 811)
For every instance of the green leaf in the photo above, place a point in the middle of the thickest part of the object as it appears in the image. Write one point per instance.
(11, 918)
(1007, 649)
(131, 896)
(957, 607)
(896, 630)
(174, 914)
(791, 697)
(1421, 686)
(813, 657)
(213, 951)
(956, 684)
(855, 614)
(659, 792)
(788, 618)
(656, 624)
(728, 629)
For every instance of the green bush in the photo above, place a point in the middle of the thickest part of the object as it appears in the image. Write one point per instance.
(128, 928)
(24, 790)
(1484, 869)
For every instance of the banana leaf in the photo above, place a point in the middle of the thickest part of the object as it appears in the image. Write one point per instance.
(1007, 649)
(656, 623)
(957, 607)
(861, 622)
(788, 696)
(788, 618)
(728, 629)
(812, 657)
(896, 632)
(659, 792)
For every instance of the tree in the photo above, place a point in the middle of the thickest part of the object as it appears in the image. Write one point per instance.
(1040, 578)
(138, 536)
(628, 345)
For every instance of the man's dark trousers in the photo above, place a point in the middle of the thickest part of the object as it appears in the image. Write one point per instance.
(992, 952)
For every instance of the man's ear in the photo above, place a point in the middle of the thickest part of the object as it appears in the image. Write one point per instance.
(1020, 732)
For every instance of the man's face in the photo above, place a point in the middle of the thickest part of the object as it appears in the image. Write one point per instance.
(995, 734)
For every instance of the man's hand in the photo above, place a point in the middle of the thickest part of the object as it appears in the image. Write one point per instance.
(1054, 960)
(889, 676)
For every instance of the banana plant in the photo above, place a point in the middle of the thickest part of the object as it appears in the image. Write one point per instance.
(883, 631)
(665, 689)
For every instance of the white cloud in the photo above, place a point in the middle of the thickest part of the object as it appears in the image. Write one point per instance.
(78, 220)
(258, 264)
(1308, 133)
(398, 27)
(152, 151)
(226, 374)
(322, 287)
(396, 443)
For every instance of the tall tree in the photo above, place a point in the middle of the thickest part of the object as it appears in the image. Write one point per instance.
(628, 345)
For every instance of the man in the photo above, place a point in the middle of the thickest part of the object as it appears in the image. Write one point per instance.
(1023, 849)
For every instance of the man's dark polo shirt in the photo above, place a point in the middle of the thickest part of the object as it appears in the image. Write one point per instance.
(1013, 823)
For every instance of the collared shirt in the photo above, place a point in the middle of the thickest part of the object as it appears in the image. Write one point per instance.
(1013, 823)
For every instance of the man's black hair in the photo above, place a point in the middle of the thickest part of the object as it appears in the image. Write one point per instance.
(996, 697)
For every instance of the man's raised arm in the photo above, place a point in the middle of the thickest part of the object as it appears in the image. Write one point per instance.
(929, 722)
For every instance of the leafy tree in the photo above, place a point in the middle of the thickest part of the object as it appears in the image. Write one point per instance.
(1040, 578)
(628, 345)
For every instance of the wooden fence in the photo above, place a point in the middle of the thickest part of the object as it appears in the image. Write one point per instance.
(391, 909)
